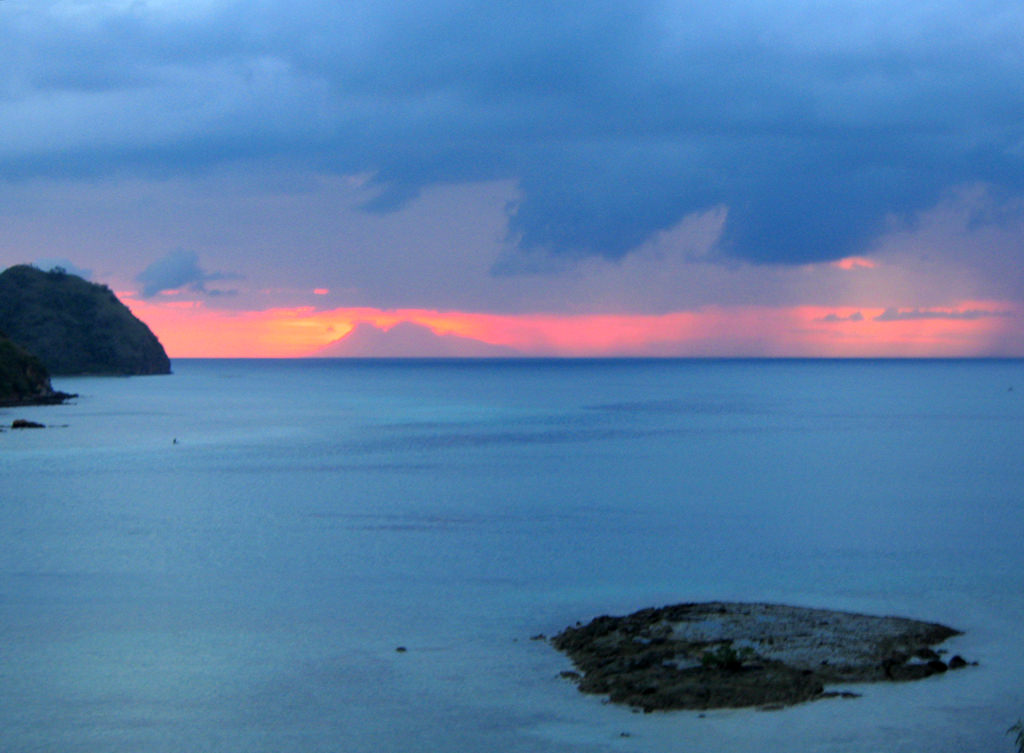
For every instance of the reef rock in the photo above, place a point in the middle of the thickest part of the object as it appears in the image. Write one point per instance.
(24, 423)
(725, 654)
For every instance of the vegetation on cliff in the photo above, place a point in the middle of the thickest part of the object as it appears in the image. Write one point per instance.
(23, 378)
(74, 326)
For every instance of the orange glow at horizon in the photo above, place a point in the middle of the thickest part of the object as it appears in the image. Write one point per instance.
(938, 333)
(191, 329)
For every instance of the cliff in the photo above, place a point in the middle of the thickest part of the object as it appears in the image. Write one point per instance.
(74, 326)
(23, 378)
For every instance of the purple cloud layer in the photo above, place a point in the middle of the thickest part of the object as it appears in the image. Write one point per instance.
(813, 124)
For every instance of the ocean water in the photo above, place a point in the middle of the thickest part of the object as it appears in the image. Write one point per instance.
(226, 559)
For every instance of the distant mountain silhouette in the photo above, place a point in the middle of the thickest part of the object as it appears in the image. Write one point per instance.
(74, 326)
(409, 340)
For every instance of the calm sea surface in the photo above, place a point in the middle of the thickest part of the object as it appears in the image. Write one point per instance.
(226, 559)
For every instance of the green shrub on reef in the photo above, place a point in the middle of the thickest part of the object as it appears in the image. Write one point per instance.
(726, 657)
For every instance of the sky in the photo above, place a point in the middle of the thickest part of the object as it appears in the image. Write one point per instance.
(435, 177)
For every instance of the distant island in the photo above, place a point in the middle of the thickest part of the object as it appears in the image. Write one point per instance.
(730, 655)
(75, 327)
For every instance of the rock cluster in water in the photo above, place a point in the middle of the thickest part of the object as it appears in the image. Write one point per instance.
(729, 655)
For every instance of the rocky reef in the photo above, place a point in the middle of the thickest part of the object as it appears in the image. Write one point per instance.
(74, 326)
(730, 655)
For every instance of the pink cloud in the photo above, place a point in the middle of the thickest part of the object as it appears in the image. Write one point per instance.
(854, 262)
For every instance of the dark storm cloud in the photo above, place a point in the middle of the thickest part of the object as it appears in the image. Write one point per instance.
(180, 269)
(811, 123)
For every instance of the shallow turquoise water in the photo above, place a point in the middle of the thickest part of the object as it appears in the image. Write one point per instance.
(226, 559)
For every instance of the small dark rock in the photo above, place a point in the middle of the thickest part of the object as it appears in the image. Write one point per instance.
(957, 662)
(937, 665)
(570, 675)
(21, 423)
(893, 663)
(538, 637)
(401, 649)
